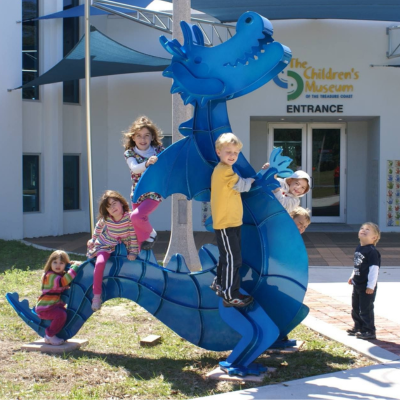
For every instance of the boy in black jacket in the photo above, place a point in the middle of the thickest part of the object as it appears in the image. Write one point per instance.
(367, 261)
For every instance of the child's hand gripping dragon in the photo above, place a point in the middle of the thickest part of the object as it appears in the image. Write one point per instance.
(275, 265)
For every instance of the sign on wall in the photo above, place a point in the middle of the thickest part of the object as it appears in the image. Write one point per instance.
(393, 193)
(326, 84)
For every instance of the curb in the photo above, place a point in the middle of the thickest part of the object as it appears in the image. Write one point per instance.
(36, 246)
(364, 347)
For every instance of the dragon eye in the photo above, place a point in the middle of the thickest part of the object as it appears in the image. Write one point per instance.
(197, 60)
(249, 20)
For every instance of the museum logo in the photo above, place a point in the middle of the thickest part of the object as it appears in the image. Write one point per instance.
(321, 83)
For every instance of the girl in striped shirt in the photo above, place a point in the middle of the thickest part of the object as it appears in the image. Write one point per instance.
(54, 281)
(113, 227)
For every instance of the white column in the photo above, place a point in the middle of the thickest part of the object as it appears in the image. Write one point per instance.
(11, 221)
(182, 240)
(51, 52)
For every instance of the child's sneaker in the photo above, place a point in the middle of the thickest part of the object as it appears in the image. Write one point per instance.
(215, 286)
(149, 243)
(352, 331)
(96, 302)
(240, 301)
(366, 335)
(53, 340)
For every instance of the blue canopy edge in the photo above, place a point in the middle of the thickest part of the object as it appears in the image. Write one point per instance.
(108, 58)
(79, 11)
(231, 10)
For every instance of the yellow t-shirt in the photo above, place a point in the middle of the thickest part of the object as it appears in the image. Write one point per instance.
(226, 203)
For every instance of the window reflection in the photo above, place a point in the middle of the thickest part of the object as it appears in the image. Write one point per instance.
(70, 39)
(30, 47)
(290, 141)
(71, 182)
(326, 172)
(30, 183)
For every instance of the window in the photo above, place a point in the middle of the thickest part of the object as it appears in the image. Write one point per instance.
(167, 141)
(30, 47)
(70, 38)
(71, 182)
(30, 183)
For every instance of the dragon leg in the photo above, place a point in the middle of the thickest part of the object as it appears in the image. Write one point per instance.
(258, 332)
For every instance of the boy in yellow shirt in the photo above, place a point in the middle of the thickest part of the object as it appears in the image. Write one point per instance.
(227, 215)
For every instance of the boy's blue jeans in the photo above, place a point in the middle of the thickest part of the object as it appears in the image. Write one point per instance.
(363, 309)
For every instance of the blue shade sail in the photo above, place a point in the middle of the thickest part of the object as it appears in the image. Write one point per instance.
(231, 10)
(108, 58)
(79, 11)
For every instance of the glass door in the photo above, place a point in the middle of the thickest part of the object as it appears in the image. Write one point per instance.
(292, 138)
(320, 150)
(326, 165)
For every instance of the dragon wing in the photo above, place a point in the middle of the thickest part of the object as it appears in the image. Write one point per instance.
(179, 169)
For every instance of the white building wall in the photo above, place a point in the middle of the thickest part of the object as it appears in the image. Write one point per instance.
(74, 143)
(11, 223)
(356, 177)
(341, 45)
(49, 220)
(53, 129)
(373, 196)
(389, 149)
(258, 144)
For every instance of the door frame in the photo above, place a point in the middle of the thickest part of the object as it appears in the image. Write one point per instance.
(292, 125)
(306, 160)
(343, 169)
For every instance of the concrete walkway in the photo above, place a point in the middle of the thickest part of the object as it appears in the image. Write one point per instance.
(376, 382)
(328, 297)
(324, 248)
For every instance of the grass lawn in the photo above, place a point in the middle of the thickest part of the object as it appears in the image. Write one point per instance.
(114, 365)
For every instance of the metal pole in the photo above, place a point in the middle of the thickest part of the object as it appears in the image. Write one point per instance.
(182, 240)
(88, 122)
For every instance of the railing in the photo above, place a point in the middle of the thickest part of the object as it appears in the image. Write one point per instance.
(214, 32)
(393, 33)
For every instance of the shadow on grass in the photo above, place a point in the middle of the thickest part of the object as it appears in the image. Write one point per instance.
(189, 375)
(17, 255)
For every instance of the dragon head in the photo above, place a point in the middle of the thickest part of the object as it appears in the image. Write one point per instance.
(236, 67)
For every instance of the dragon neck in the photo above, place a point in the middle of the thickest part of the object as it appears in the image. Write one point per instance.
(208, 123)
(212, 118)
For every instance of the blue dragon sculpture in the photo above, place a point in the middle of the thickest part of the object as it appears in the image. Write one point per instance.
(275, 264)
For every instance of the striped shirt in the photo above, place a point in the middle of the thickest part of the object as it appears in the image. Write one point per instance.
(53, 285)
(108, 233)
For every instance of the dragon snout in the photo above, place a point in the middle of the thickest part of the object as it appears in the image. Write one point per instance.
(255, 22)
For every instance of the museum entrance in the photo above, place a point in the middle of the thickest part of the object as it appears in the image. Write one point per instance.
(319, 149)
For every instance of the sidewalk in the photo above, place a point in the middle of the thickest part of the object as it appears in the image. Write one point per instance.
(324, 248)
(328, 297)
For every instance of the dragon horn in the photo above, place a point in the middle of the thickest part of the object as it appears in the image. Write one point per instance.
(173, 47)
